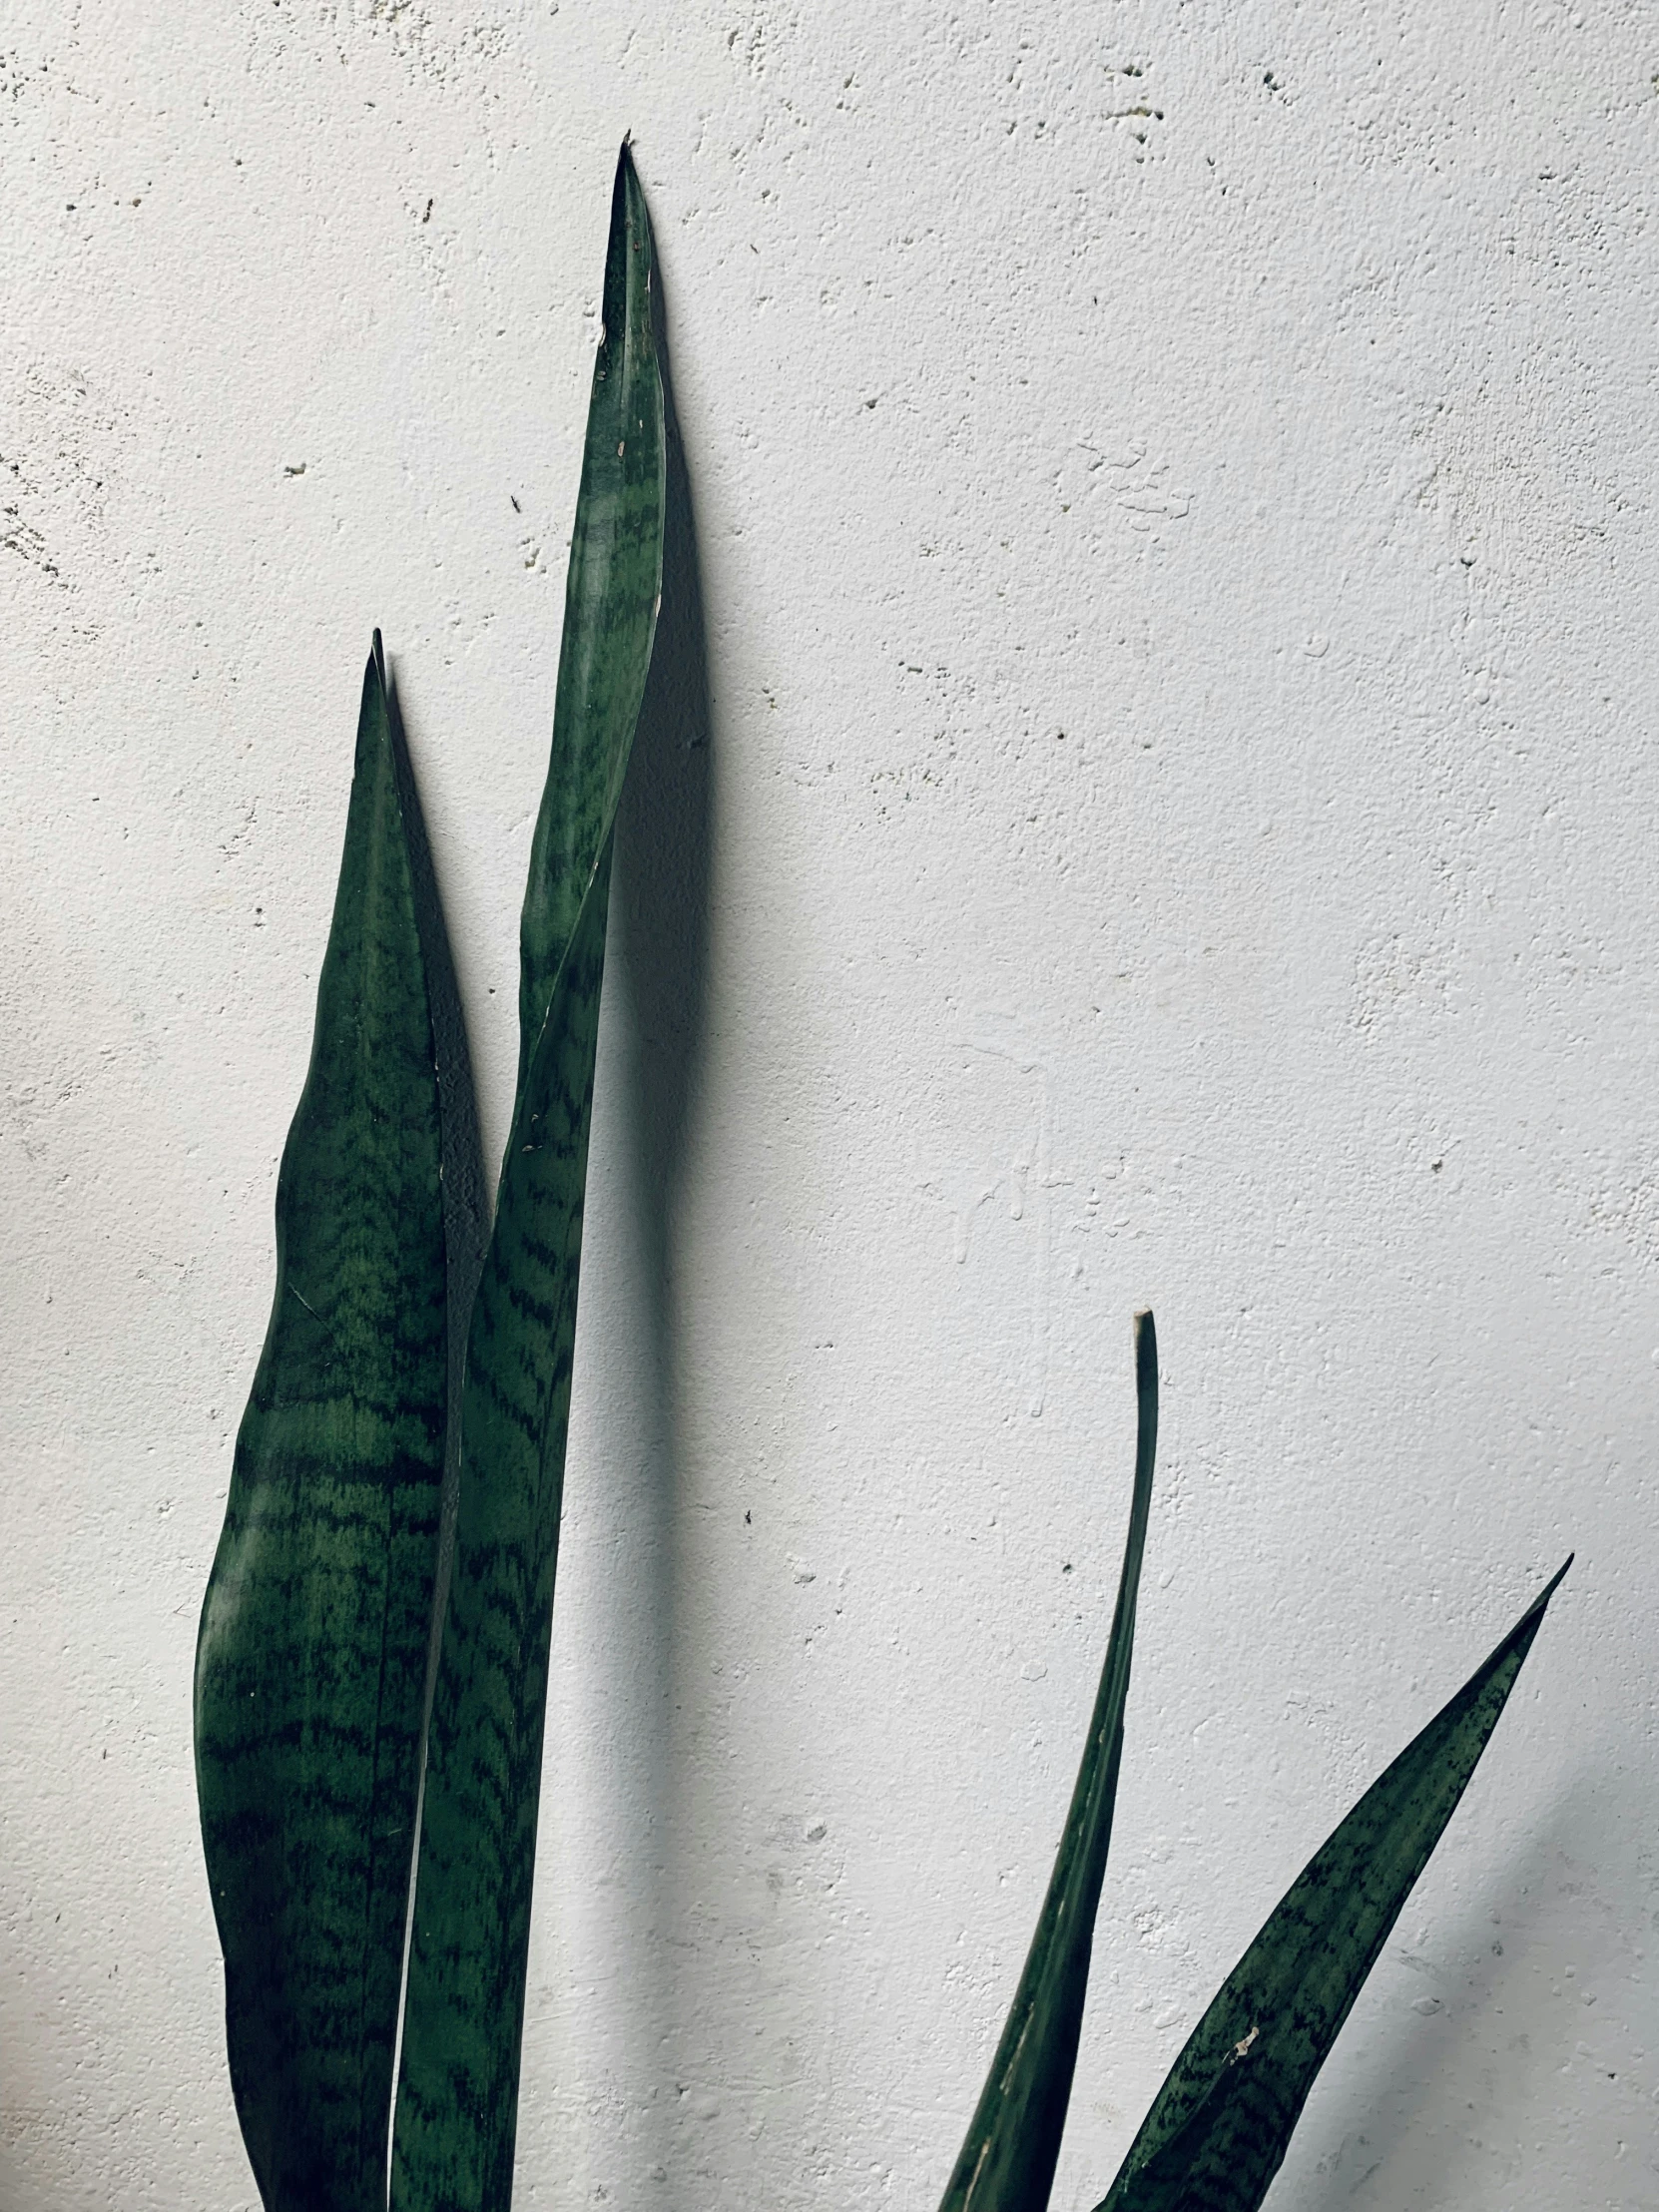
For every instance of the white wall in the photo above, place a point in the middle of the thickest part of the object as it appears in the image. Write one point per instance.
(1173, 497)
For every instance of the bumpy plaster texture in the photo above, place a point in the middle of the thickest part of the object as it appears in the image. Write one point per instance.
(1164, 812)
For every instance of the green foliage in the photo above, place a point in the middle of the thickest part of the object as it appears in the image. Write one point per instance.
(1014, 2144)
(312, 1659)
(1219, 2128)
(360, 1674)
(457, 2097)
(318, 1627)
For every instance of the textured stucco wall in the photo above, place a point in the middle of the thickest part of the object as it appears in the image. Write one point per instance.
(1173, 821)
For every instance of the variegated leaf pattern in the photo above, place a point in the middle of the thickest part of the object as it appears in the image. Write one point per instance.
(457, 2096)
(1218, 2130)
(312, 1659)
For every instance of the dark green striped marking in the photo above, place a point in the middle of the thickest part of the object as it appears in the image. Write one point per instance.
(457, 2099)
(312, 1659)
(1219, 2128)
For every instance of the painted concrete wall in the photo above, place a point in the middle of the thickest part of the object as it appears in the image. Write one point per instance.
(1170, 817)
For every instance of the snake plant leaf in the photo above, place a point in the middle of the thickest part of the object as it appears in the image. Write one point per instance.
(1007, 2162)
(612, 591)
(457, 2099)
(312, 1659)
(1218, 2130)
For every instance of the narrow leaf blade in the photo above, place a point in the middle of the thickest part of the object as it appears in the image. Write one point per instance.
(312, 1653)
(612, 588)
(1217, 2131)
(463, 2022)
(1007, 2161)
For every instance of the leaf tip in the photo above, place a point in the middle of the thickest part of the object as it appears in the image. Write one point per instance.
(1554, 1584)
(630, 235)
(1527, 1626)
(626, 189)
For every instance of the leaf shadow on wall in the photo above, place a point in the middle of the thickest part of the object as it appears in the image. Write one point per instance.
(659, 931)
(660, 928)
(663, 848)
(1401, 2121)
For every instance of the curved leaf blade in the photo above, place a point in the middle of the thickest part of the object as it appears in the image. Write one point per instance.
(1218, 2130)
(313, 1652)
(1006, 2163)
(457, 2101)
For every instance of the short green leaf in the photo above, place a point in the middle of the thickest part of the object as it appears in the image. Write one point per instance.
(1218, 2130)
(1007, 2162)
(312, 1653)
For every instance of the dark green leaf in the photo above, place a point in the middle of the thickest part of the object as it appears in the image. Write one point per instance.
(612, 590)
(312, 1654)
(1007, 2162)
(459, 2092)
(1218, 2130)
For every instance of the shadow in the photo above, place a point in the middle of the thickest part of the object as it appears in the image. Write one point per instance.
(660, 933)
(1403, 2101)
(625, 1650)
(466, 1205)
(663, 848)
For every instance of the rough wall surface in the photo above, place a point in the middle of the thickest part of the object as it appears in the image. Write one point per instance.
(1172, 819)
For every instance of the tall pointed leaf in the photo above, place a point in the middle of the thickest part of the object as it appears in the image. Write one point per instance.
(1007, 2162)
(612, 590)
(312, 1653)
(458, 2092)
(1218, 2130)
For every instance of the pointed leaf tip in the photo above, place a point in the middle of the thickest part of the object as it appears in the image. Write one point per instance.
(1007, 2162)
(465, 2012)
(1534, 1612)
(312, 1648)
(627, 181)
(1218, 2130)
